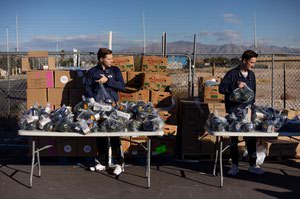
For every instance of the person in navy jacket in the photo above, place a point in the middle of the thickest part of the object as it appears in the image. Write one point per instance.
(111, 78)
(240, 77)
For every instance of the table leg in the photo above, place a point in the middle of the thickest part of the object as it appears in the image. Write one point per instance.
(221, 160)
(122, 156)
(217, 153)
(109, 153)
(39, 163)
(148, 161)
(32, 162)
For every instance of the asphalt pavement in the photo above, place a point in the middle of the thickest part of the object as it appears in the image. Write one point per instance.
(169, 179)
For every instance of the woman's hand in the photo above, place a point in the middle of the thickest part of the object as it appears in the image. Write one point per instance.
(241, 85)
(102, 80)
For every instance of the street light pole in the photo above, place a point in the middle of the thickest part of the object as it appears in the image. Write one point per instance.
(17, 33)
(7, 45)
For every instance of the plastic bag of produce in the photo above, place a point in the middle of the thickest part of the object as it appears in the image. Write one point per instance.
(242, 95)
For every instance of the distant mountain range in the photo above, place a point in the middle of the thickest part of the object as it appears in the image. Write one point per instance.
(185, 46)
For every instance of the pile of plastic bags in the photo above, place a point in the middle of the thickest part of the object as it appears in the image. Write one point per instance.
(264, 119)
(91, 116)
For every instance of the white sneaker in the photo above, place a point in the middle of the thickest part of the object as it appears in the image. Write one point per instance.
(118, 170)
(256, 169)
(234, 170)
(98, 167)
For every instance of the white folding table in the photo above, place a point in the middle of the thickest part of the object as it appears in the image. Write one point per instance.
(38, 133)
(219, 143)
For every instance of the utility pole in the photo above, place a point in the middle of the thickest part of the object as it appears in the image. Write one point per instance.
(144, 31)
(7, 45)
(255, 39)
(110, 40)
(17, 33)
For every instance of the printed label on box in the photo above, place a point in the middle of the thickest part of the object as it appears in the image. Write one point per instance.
(64, 79)
(67, 148)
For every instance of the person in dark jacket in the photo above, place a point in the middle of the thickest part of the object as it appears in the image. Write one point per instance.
(111, 78)
(240, 77)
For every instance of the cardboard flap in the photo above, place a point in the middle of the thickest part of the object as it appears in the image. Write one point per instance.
(25, 64)
(38, 54)
(51, 63)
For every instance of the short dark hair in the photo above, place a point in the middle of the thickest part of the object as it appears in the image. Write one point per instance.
(248, 54)
(102, 52)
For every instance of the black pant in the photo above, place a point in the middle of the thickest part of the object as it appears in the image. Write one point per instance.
(102, 148)
(251, 148)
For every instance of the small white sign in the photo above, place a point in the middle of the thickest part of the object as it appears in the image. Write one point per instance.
(124, 115)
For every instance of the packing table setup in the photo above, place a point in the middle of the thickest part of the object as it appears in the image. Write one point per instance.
(219, 149)
(37, 133)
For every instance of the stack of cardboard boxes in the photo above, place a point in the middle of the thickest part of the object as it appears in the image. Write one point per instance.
(215, 101)
(283, 146)
(59, 87)
(150, 84)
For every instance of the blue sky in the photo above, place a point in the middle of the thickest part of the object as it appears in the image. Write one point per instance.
(85, 24)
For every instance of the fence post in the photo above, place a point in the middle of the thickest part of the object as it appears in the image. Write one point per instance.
(190, 76)
(194, 65)
(8, 86)
(284, 85)
(213, 69)
(272, 88)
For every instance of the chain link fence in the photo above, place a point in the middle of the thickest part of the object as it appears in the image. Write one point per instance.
(13, 96)
(277, 77)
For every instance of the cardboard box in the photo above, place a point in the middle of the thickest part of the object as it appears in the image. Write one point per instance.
(170, 129)
(40, 79)
(58, 96)
(125, 63)
(169, 117)
(44, 141)
(128, 97)
(217, 108)
(36, 95)
(75, 96)
(157, 82)
(161, 99)
(25, 64)
(125, 145)
(207, 143)
(135, 79)
(38, 60)
(202, 80)
(288, 150)
(211, 94)
(124, 75)
(291, 113)
(37, 54)
(64, 79)
(136, 149)
(66, 147)
(86, 147)
(154, 64)
(278, 147)
(143, 95)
